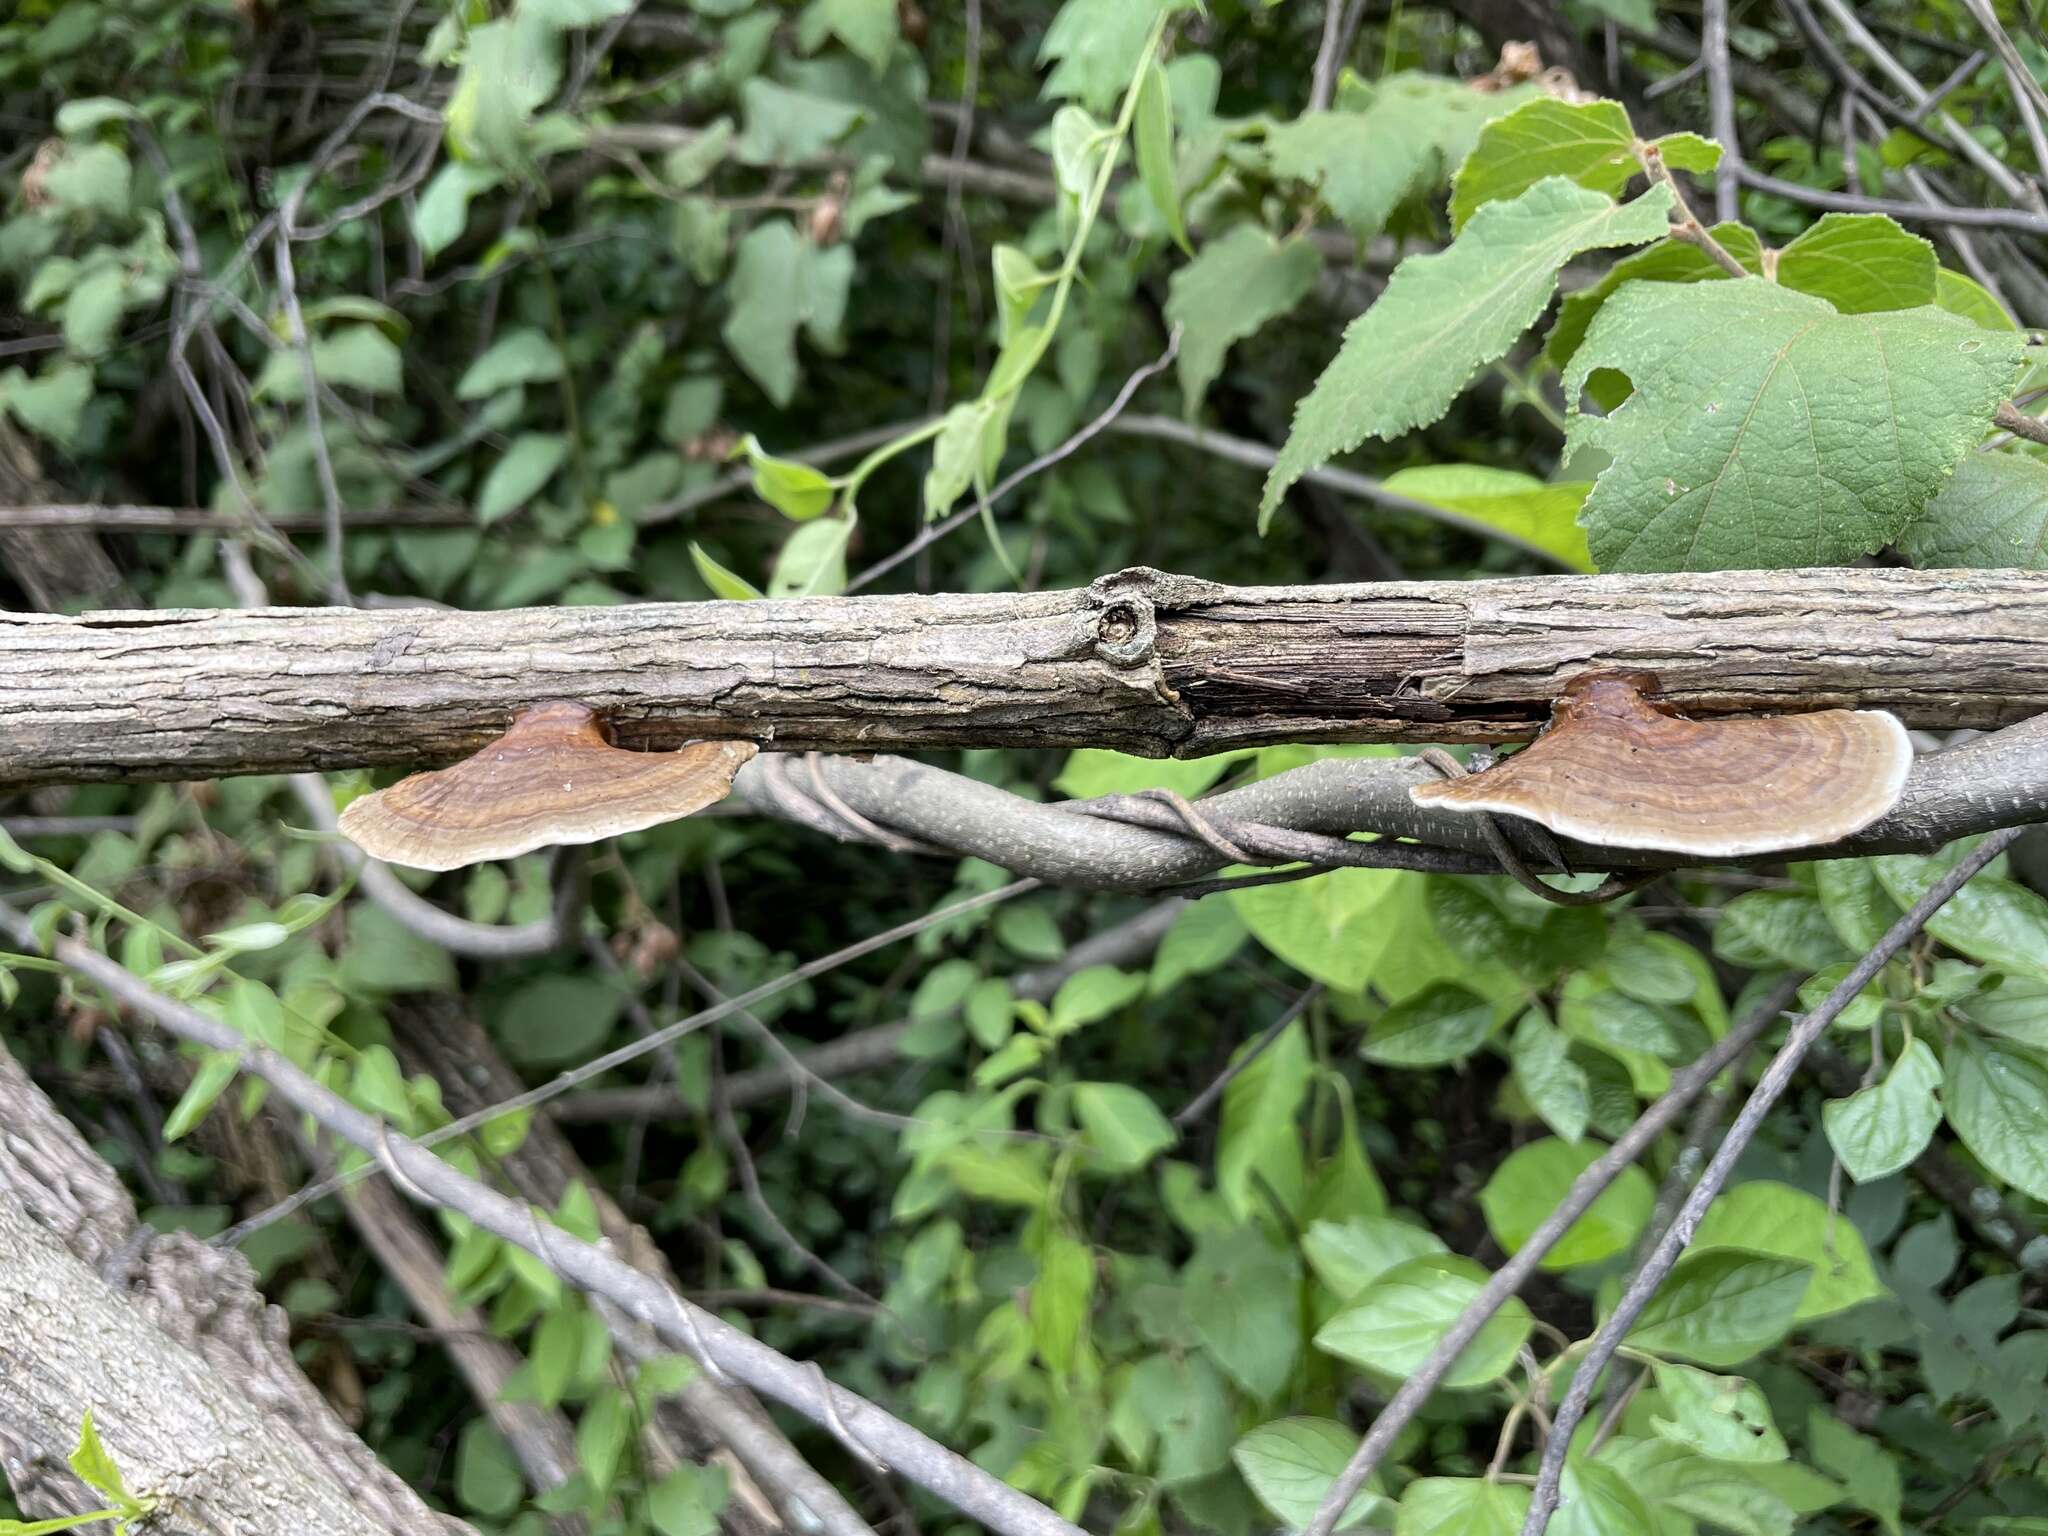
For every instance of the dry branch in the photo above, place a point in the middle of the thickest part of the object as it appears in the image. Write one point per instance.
(1141, 661)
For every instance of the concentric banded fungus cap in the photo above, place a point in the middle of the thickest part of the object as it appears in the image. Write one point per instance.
(1619, 769)
(554, 777)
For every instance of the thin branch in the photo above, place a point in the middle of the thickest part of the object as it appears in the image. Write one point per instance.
(1413, 1393)
(1198, 1106)
(667, 1035)
(931, 535)
(1721, 111)
(1776, 1078)
(721, 1348)
(1854, 202)
(2016, 421)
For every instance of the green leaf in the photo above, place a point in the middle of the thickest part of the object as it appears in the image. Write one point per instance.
(1999, 922)
(1184, 1410)
(781, 126)
(1460, 1506)
(1330, 928)
(722, 582)
(1290, 1464)
(1402, 141)
(1880, 1129)
(1095, 46)
(81, 115)
(1761, 928)
(1997, 1098)
(1992, 514)
(1091, 772)
(1443, 1024)
(1854, 900)
(487, 1476)
(1125, 1129)
(1668, 261)
(1348, 1256)
(1202, 938)
(761, 331)
(528, 465)
(1596, 1500)
(1235, 284)
(52, 403)
(566, 15)
(93, 178)
(1764, 1216)
(2016, 1008)
(1554, 1084)
(797, 491)
(687, 1502)
(866, 27)
(1726, 1417)
(216, 1070)
(1092, 994)
(96, 1469)
(1738, 1497)
(1506, 502)
(1243, 1298)
(92, 310)
(1258, 1148)
(1722, 1307)
(1392, 1324)
(350, 357)
(1445, 316)
(1869, 1469)
(813, 560)
(1965, 296)
(442, 212)
(523, 354)
(1591, 143)
(1533, 1180)
(602, 1435)
(1860, 263)
(384, 956)
(967, 451)
(509, 67)
(1060, 1301)
(552, 1021)
(1152, 130)
(1799, 436)
(1688, 152)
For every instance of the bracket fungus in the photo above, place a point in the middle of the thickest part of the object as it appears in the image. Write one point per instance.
(553, 777)
(1619, 768)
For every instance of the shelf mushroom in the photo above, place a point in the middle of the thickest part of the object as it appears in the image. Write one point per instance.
(1623, 770)
(553, 777)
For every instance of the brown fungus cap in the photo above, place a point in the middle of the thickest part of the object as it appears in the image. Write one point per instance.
(554, 777)
(1622, 770)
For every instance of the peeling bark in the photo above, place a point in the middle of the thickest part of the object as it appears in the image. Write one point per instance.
(1140, 661)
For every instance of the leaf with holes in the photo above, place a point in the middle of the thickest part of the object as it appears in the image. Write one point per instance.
(1768, 430)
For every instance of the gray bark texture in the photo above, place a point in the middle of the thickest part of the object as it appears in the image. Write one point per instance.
(189, 1375)
(1140, 661)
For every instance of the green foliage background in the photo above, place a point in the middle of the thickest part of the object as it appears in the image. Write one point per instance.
(634, 246)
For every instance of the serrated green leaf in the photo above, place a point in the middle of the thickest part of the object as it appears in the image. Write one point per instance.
(1445, 316)
(1992, 514)
(1765, 1216)
(1431, 1029)
(1591, 143)
(1880, 1129)
(797, 491)
(1768, 430)
(1999, 922)
(1860, 263)
(1688, 152)
(1967, 297)
(96, 1469)
(2017, 1008)
(1668, 261)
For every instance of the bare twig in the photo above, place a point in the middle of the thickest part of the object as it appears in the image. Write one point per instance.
(1776, 1078)
(1198, 1106)
(1686, 1084)
(1721, 110)
(720, 1347)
